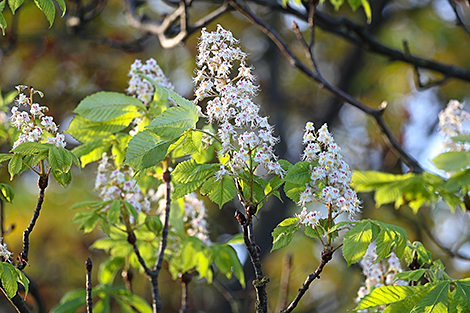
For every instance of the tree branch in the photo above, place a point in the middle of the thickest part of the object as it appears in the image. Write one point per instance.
(326, 256)
(376, 114)
(89, 286)
(23, 257)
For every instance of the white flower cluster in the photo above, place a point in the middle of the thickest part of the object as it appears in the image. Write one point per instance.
(195, 214)
(246, 135)
(141, 88)
(34, 125)
(118, 184)
(311, 218)
(450, 125)
(329, 173)
(378, 274)
(4, 253)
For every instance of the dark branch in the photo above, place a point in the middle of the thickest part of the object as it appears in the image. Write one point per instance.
(89, 286)
(17, 302)
(376, 114)
(326, 256)
(23, 257)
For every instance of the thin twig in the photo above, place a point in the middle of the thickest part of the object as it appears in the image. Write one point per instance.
(307, 48)
(284, 284)
(89, 286)
(422, 86)
(127, 276)
(185, 279)
(326, 256)
(23, 257)
(376, 114)
(226, 292)
(17, 302)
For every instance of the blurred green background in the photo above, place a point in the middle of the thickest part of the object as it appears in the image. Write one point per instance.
(69, 64)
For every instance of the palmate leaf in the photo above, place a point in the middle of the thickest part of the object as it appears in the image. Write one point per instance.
(357, 240)
(104, 106)
(220, 191)
(461, 300)
(189, 176)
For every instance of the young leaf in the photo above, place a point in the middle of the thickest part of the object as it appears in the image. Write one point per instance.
(114, 212)
(411, 275)
(357, 240)
(104, 106)
(8, 278)
(15, 165)
(284, 232)
(62, 179)
(6, 193)
(59, 159)
(226, 259)
(5, 157)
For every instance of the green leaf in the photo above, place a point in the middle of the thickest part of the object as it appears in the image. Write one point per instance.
(62, 6)
(3, 21)
(87, 221)
(146, 149)
(14, 5)
(5, 157)
(114, 212)
(6, 193)
(93, 151)
(461, 300)
(59, 159)
(89, 204)
(104, 106)
(173, 122)
(452, 161)
(226, 259)
(461, 138)
(130, 209)
(367, 10)
(70, 302)
(48, 8)
(86, 131)
(15, 165)
(28, 148)
(9, 278)
(236, 239)
(337, 3)
(190, 175)
(417, 249)
(108, 270)
(391, 294)
(284, 232)
(298, 173)
(357, 240)
(133, 303)
(390, 237)
(293, 190)
(220, 191)
(458, 180)
(62, 179)
(411, 275)
(154, 224)
(435, 301)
